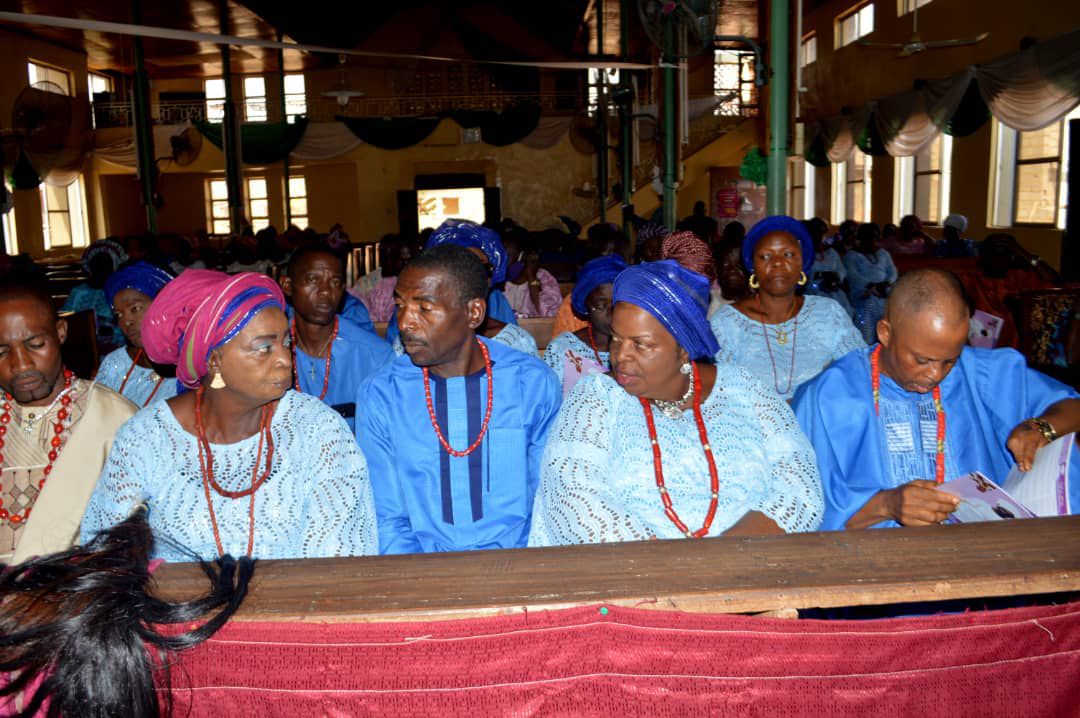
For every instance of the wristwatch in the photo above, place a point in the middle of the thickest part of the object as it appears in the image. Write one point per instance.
(1045, 428)
(534, 283)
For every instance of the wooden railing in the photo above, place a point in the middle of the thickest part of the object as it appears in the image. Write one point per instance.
(721, 575)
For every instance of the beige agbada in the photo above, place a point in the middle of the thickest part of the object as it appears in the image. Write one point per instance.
(54, 520)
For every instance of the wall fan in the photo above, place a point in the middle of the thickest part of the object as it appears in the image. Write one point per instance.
(40, 122)
(694, 24)
(916, 44)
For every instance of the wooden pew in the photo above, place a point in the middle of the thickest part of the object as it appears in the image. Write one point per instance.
(540, 328)
(720, 575)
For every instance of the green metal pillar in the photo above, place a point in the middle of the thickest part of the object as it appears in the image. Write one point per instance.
(144, 133)
(230, 132)
(779, 110)
(601, 119)
(626, 129)
(669, 65)
(284, 118)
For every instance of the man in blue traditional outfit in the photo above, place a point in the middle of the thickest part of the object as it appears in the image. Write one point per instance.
(454, 430)
(874, 416)
(332, 356)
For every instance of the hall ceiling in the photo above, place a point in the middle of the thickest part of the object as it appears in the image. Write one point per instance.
(468, 29)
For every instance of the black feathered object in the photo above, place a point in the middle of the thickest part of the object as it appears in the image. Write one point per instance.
(86, 620)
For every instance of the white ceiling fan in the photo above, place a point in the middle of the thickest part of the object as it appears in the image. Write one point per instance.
(916, 44)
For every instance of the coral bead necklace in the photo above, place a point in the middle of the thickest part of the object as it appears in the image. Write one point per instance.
(939, 408)
(206, 465)
(487, 413)
(135, 363)
(592, 345)
(56, 443)
(658, 468)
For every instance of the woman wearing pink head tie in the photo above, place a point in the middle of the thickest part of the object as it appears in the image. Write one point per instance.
(240, 464)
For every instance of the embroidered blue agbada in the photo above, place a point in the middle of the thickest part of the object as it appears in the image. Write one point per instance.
(355, 355)
(427, 500)
(987, 393)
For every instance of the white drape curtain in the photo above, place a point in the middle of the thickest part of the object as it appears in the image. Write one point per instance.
(1026, 91)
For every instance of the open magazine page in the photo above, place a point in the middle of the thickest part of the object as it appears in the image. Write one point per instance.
(1045, 489)
(982, 500)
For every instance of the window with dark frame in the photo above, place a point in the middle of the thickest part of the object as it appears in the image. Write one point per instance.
(853, 24)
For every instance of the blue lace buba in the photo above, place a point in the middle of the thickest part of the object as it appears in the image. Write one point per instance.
(598, 481)
(317, 501)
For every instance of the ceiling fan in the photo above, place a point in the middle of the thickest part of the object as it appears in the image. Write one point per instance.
(916, 44)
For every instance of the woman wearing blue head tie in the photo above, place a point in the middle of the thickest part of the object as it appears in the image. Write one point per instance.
(574, 354)
(669, 445)
(783, 339)
(128, 370)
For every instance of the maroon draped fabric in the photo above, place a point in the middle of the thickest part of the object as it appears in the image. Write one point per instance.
(602, 661)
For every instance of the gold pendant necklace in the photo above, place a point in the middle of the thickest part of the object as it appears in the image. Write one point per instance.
(781, 337)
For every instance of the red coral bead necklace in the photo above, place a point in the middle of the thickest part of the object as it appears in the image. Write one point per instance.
(56, 443)
(487, 413)
(658, 468)
(206, 465)
(939, 408)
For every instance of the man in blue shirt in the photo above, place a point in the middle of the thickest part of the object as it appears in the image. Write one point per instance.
(874, 416)
(454, 430)
(332, 356)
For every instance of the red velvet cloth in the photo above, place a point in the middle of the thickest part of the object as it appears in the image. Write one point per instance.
(629, 662)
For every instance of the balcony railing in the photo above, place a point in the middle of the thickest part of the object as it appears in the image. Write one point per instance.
(320, 109)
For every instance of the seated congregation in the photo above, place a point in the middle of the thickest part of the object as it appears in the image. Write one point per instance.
(757, 382)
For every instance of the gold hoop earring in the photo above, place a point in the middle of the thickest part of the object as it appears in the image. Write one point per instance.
(803, 279)
(218, 382)
(753, 282)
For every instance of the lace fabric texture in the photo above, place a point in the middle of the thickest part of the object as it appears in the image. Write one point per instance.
(825, 334)
(511, 335)
(598, 483)
(316, 502)
(140, 385)
(568, 341)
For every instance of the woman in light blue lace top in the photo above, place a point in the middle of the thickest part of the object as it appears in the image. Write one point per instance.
(572, 355)
(128, 370)
(143, 386)
(782, 339)
(817, 336)
(310, 506)
(242, 464)
(599, 478)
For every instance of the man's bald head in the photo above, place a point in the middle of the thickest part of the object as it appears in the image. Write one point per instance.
(924, 295)
(924, 329)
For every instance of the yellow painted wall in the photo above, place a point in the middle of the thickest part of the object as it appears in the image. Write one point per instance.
(853, 75)
(16, 49)
(359, 189)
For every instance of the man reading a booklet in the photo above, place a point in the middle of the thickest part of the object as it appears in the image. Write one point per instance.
(891, 422)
